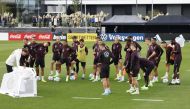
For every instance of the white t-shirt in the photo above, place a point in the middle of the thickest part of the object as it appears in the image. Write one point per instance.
(14, 58)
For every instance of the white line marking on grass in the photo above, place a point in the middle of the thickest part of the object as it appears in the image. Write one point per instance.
(153, 100)
(188, 70)
(86, 98)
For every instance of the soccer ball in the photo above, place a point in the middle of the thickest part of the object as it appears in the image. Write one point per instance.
(165, 80)
(50, 78)
(91, 75)
(57, 79)
(72, 77)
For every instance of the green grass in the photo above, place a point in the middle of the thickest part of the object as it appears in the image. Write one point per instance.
(59, 95)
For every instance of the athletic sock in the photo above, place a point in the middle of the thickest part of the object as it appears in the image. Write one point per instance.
(83, 75)
(57, 73)
(96, 77)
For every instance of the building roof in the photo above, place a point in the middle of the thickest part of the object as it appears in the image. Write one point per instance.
(169, 20)
(124, 20)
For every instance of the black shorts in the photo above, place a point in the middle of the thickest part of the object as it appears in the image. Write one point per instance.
(105, 72)
(40, 62)
(116, 60)
(67, 61)
(95, 61)
(169, 61)
(56, 57)
(83, 64)
(9, 68)
(156, 63)
(135, 72)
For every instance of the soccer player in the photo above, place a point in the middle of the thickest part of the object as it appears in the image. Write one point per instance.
(27, 46)
(32, 52)
(95, 53)
(177, 62)
(155, 56)
(169, 58)
(134, 68)
(138, 48)
(74, 55)
(82, 52)
(116, 51)
(16, 57)
(104, 60)
(65, 58)
(147, 67)
(41, 50)
(127, 64)
(56, 49)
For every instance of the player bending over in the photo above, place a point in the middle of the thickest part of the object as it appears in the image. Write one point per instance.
(147, 67)
(169, 59)
(65, 58)
(16, 57)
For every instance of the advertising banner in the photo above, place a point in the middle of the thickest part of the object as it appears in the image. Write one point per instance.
(62, 36)
(122, 36)
(85, 36)
(39, 36)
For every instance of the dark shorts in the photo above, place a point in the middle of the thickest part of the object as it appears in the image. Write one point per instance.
(135, 72)
(156, 62)
(9, 68)
(83, 64)
(127, 69)
(67, 61)
(105, 72)
(169, 61)
(95, 61)
(40, 62)
(116, 60)
(56, 57)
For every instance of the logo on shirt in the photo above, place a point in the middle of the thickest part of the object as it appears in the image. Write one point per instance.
(106, 54)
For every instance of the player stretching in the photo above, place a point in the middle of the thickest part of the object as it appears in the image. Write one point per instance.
(41, 50)
(177, 62)
(65, 58)
(104, 60)
(82, 52)
(116, 51)
(56, 49)
(169, 58)
(147, 67)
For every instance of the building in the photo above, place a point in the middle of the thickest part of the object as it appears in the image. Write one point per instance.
(27, 8)
(125, 7)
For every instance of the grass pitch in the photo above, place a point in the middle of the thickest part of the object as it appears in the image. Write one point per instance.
(60, 95)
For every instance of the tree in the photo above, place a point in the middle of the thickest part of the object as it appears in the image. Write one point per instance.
(4, 7)
(76, 5)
